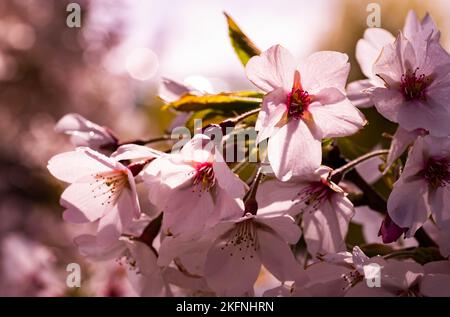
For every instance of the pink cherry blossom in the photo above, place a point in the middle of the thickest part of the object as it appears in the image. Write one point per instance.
(101, 188)
(195, 187)
(415, 94)
(335, 275)
(303, 105)
(234, 260)
(423, 187)
(369, 48)
(86, 133)
(322, 205)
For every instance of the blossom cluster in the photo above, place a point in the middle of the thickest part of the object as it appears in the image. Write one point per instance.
(214, 223)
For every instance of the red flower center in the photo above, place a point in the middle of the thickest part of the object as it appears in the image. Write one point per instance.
(413, 86)
(298, 99)
(204, 176)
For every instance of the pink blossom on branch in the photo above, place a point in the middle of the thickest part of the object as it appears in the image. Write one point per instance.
(101, 188)
(194, 188)
(304, 104)
(322, 206)
(423, 188)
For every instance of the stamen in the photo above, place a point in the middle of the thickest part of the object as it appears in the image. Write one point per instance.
(311, 197)
(108, 186)
(298, 99)
(414, 86)
(204, 177)
(437, 172)
(244, 238)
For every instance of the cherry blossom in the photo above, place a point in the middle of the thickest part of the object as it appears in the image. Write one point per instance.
(415, 75)
(195, 187)
(101, 188)
(303, 105)
(423, 187)
(86, 133)
(322, 206)
(234, 260)
(369, 48)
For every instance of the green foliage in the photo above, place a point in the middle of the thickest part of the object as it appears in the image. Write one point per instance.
(230, 102)
(243, 46)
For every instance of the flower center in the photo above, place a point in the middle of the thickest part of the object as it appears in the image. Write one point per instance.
(413, 86)
(298, 101)
(243, 240)
(312, 196)
(204, 177)
(437, 172)
(108, 186)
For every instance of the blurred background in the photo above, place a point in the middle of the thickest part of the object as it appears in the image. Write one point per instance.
(108, 70)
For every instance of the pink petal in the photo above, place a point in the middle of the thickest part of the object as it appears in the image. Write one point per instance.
(439, 200)
(420, 115)
(407, 204)
(336, 119)
(226, 179)
(187, 211)
(75, 165)
(323, 70)
(134, 152)
(227, 273)
(388, 102)
(284, 226)
(400, 142)
(173, 171)
(170, 90)
(357, 95)
(293, 151)
(369, 48)
(275, 197)
(273, 69)
(79, 197)
(88, 246)
(277, 257)
(325, 280)
(272, 112)
(325, 229)
(144, 256)
(199, 149)
(84, 132)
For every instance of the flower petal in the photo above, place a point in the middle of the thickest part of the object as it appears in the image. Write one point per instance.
(75, 165)
(336, 119)
(323, 70)
(272, 69)
(357, 95)
(229, 271)
(388, 102)
(369, 48)
(272, 112)
(277, 257)
(283, 226)
(407, 205)
(400, 142)
(293, 151)
(325, 229)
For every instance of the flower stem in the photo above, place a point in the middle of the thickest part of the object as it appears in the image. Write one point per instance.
(337, 174)
(251, 205)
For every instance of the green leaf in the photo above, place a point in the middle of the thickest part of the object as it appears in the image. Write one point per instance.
(243, 46)
(237, 102)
